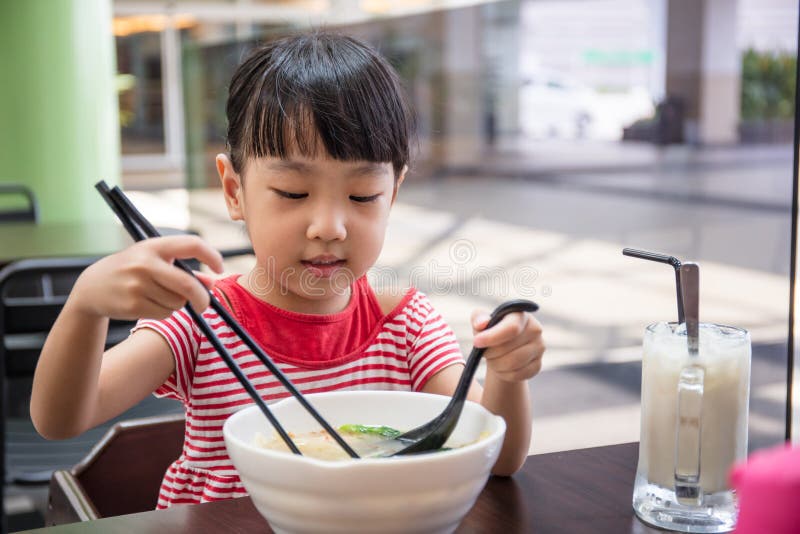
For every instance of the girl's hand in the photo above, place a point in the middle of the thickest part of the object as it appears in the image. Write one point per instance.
(142, 282)
(514, 346)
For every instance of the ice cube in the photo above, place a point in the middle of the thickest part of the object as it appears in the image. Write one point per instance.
(662, 330)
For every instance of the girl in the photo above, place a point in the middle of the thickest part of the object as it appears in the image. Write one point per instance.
(318, 141)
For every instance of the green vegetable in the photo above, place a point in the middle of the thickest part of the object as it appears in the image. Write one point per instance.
(384, 431)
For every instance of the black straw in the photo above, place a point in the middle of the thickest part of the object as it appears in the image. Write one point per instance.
(127, 211)
(662, 258)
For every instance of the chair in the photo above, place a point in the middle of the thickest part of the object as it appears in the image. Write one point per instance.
(121, 475)
(30, 210)
(32, 293)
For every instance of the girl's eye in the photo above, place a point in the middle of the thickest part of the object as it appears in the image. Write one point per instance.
(370, 198)
(293, 196)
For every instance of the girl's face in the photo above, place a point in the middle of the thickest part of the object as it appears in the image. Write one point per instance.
(316, 225)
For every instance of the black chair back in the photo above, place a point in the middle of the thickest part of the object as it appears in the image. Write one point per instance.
(32, 293)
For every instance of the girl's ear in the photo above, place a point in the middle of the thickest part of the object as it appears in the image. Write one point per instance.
(231, 187)
(398, 182)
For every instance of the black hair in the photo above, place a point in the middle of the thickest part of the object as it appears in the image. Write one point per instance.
(293, 93)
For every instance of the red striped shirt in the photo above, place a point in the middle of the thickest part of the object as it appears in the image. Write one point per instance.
(358, 348)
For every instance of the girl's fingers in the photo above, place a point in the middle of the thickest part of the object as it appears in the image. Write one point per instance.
(526, 339)
(188, 246)
(515, 347)
(207, 280)
(144, 300)
(511, 326)
(516, 359)
(523, 373)
(182, 284)
(143, 280)
(165, 296)
(154, 310)
(479, 320)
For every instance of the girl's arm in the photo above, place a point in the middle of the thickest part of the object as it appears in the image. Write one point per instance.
(513, 355)
(76, 386)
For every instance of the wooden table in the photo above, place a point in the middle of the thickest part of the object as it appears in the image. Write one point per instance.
(575, 492)
(50, 240)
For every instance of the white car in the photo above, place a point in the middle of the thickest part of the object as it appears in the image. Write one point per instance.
(553, 107)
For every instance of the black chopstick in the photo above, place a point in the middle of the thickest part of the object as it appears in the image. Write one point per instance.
(125, 210)
(138, 234)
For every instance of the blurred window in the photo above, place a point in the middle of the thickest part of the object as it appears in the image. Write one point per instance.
(141, 99)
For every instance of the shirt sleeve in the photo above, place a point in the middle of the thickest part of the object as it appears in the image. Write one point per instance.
(183, 337)
(434, 346)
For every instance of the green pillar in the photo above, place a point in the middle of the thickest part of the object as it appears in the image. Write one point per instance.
(59, 127)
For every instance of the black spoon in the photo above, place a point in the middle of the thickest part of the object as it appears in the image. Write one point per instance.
(433, 434)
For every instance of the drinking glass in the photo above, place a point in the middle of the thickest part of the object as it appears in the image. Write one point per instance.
(693, 426)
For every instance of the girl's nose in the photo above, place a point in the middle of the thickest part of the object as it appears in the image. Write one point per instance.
(328, 224)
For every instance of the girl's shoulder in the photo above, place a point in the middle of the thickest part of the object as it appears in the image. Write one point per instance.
(223, 287)
(390, 300)
(393, 299)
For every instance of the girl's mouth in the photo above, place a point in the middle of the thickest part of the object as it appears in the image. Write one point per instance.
(323, 268)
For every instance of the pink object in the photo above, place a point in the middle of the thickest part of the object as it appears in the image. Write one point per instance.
(768, 490)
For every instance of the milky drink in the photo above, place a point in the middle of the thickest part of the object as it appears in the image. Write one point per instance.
(721, 396)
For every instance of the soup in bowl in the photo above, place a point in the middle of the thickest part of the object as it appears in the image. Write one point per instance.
(429, 492)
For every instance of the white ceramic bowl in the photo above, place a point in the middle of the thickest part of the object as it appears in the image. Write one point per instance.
(418, 493)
